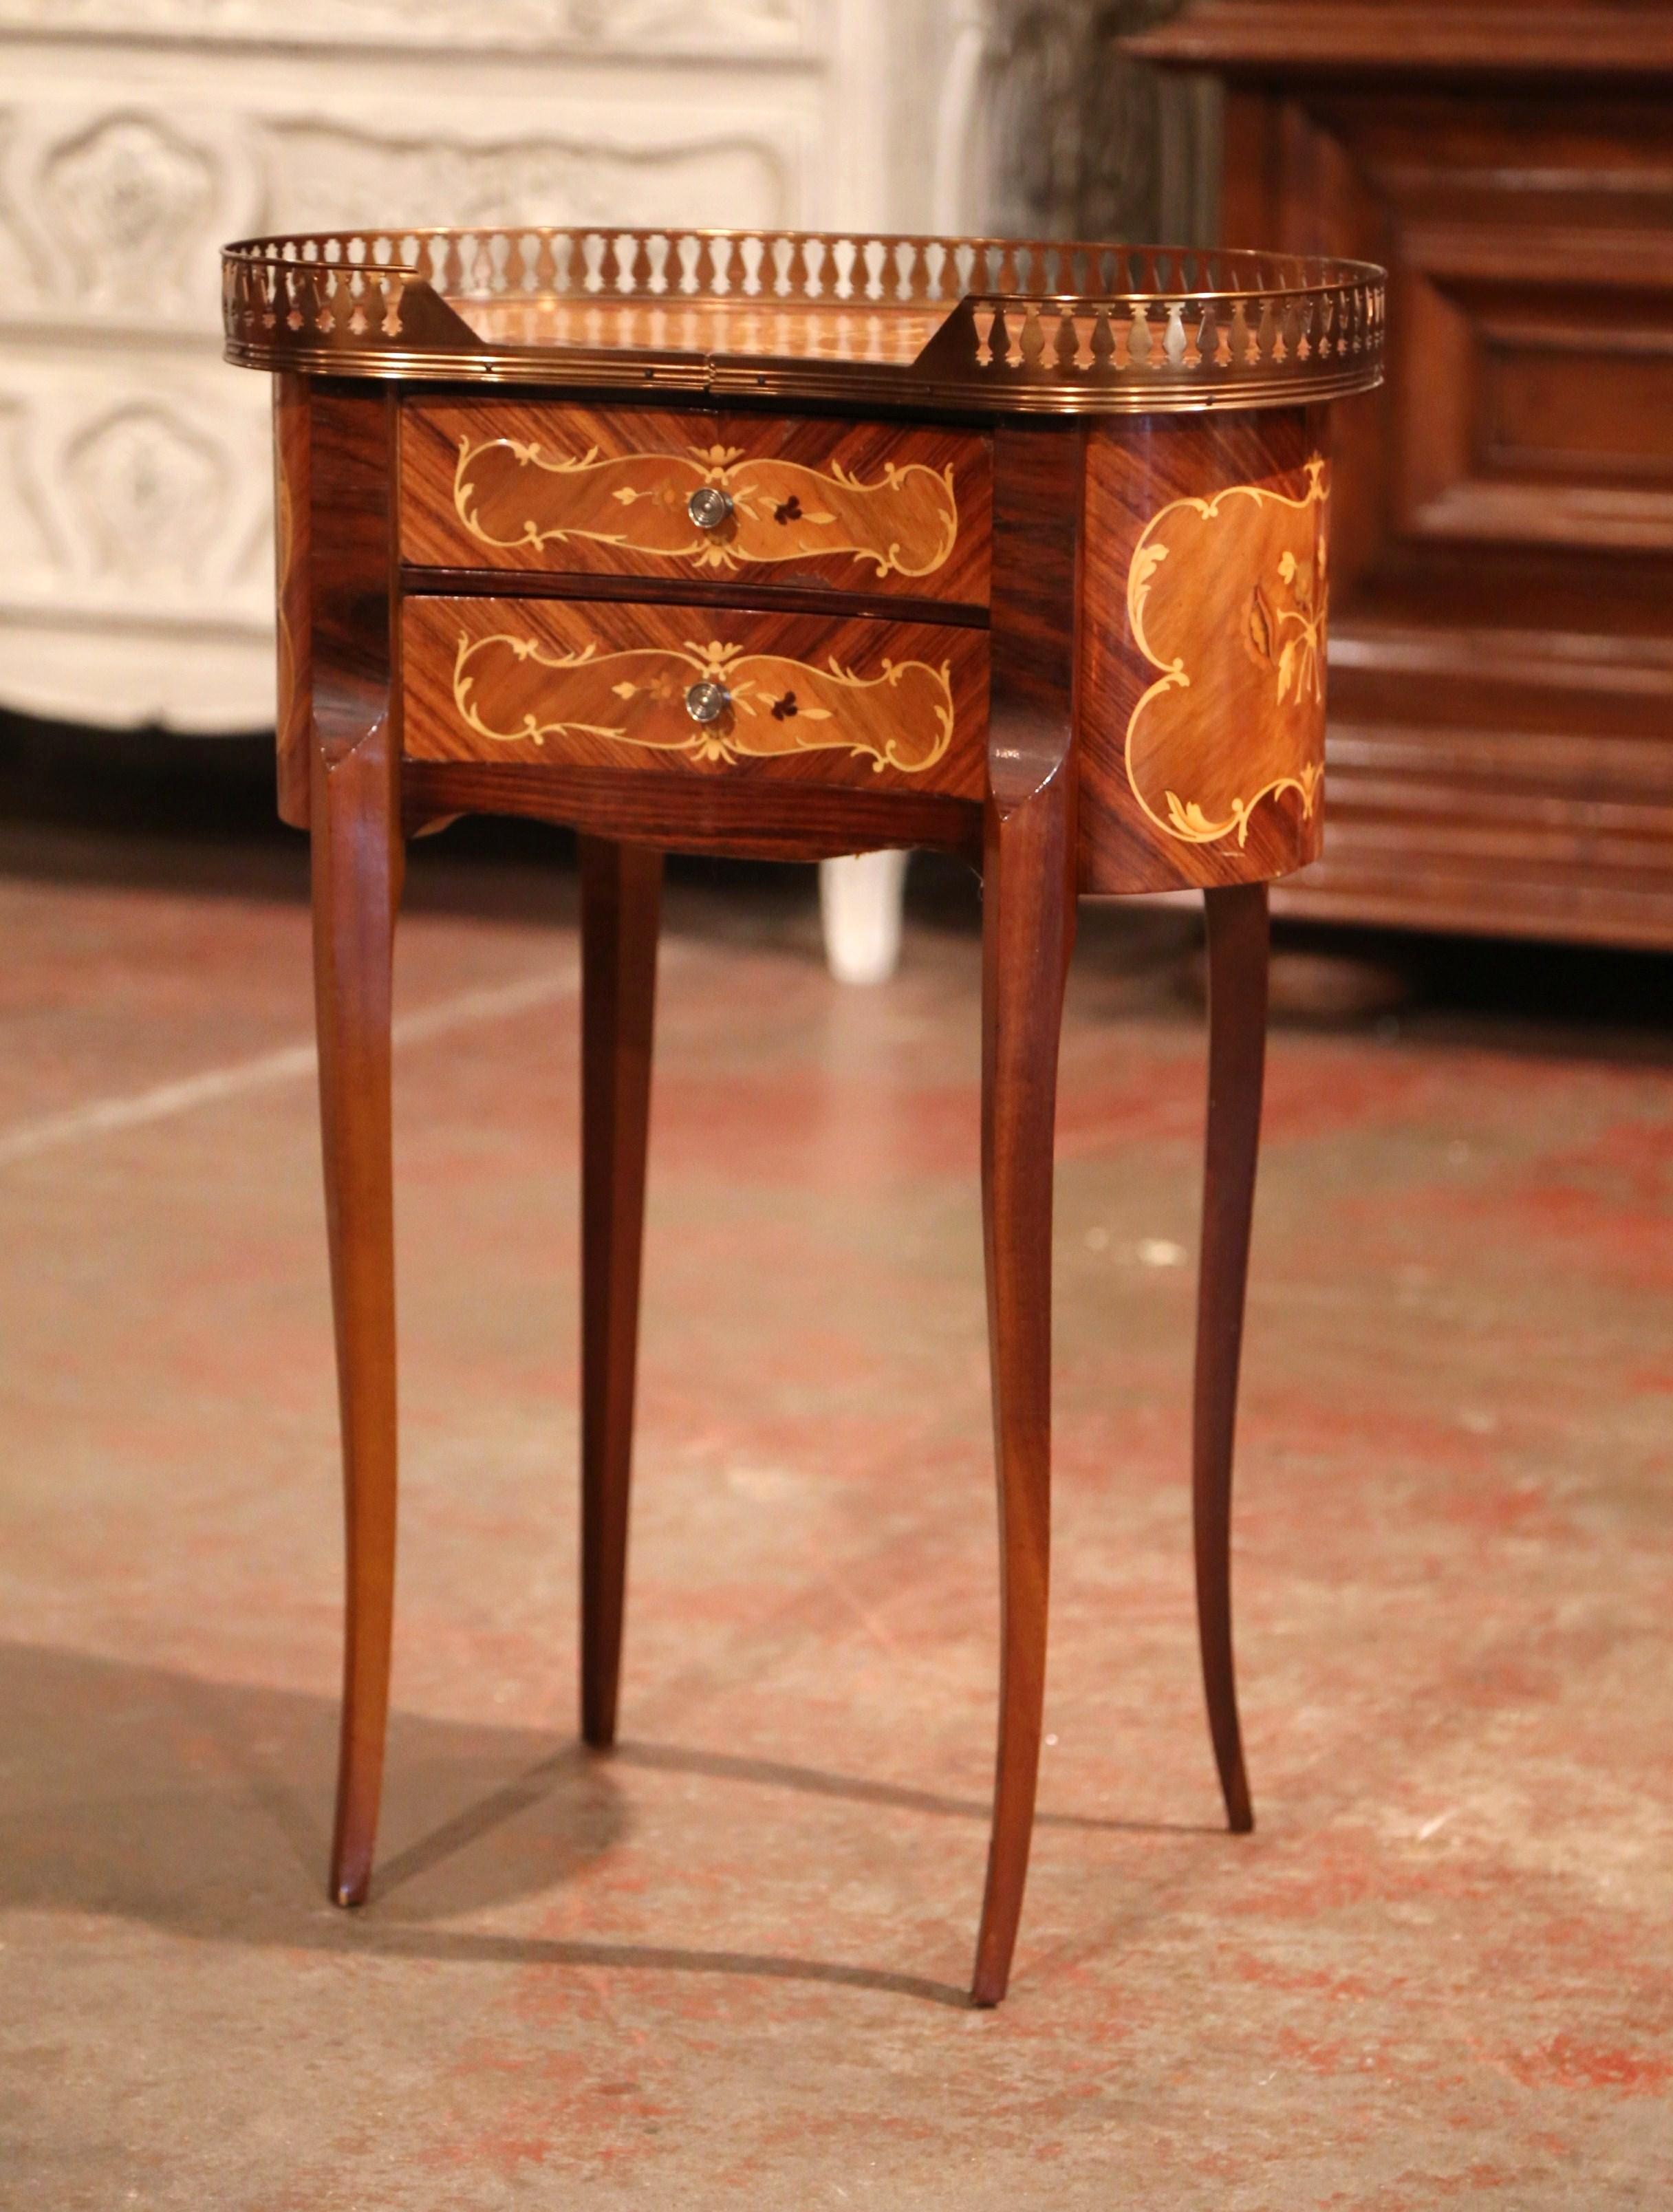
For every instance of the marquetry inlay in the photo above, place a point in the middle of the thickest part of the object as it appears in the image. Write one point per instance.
(515, 689)
(1087, 655)
(1227, 597)
(514, 493)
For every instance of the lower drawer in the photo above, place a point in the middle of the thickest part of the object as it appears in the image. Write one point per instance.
(693, 690)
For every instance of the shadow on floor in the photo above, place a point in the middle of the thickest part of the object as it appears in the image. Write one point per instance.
(200, 1808)
(775, 1774)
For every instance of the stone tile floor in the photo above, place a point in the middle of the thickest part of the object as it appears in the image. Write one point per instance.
(725, 1966)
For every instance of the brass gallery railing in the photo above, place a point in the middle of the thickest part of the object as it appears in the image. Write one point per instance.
(976, 323)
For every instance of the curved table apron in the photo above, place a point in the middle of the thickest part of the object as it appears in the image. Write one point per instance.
(792, 547)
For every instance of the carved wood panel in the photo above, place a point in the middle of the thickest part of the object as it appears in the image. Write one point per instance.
(717, 29)
(1501, 667)
(1544, 416)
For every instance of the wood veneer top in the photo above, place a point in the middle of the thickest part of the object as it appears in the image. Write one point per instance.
(888, 332)
(991, 325)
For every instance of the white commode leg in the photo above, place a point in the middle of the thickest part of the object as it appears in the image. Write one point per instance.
(860, 900)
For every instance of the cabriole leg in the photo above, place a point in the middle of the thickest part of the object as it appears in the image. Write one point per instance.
(621, 900)
(1028, 922)
(1238, 961)
(358, 859)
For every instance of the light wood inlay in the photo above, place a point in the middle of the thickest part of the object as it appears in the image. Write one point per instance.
(904, 523)
(1201, 709)
(877, 704)
(901, 718)
(1227, 597)
(862, 508)
(779, 638)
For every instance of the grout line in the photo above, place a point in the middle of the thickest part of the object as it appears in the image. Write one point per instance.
(104, 1116)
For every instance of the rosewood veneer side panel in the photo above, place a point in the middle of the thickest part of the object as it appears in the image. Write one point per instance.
(355, 641)
(894, 509)
(1203, 650)
(292, 498)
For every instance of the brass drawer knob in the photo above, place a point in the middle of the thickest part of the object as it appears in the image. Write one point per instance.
(709, 507)
(707, 702)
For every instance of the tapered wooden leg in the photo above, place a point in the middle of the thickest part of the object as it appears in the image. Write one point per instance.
(357, 887)
(1027, 930)
(1238, 957)
(621, 899)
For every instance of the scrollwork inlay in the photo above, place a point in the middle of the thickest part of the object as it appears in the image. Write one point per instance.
(1229, 598)
(905, 523)
(902, 717)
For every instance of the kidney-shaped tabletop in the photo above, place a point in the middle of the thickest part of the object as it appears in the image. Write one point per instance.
(994, 326)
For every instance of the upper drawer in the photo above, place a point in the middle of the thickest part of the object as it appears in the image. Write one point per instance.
(869, 508)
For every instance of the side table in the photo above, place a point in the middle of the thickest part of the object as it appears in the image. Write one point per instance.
(790, 546)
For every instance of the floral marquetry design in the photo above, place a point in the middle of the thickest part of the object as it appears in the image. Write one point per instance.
(713, 702)
(1228, 597)
(1081, 656)
(511, 493)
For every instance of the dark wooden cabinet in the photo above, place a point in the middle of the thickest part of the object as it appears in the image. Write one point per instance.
(1501, 653)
